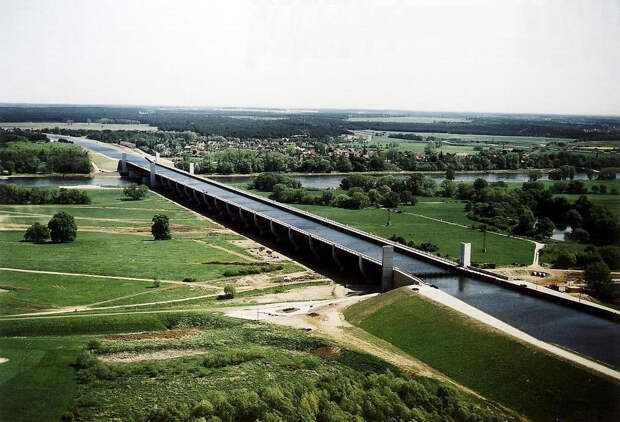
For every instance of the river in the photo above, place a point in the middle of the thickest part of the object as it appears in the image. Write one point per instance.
(333, 181)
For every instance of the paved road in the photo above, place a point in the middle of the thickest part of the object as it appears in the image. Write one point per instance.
(548, 321)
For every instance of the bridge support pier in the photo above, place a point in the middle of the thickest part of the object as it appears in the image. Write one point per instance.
(362, 267)
(465, 256)
(291, 238)
(153, 175)
(387, 268)
(243, 219)
(259, 226)
(123, 162)
(272, 227)
(336, 258)
(313, 248)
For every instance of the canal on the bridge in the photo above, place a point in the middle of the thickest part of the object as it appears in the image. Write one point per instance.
(582, 332)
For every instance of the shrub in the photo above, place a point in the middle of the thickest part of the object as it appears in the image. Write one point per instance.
(62, 227)
(135, 192)
(161, 227)
(37, 233)
(189, 280)
(230, 291)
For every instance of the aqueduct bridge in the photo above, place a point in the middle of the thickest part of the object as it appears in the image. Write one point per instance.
(550, 316)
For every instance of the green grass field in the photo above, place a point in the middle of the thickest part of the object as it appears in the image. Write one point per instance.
(384, 142)
(501, 250)
(525, 379)
(492, 139)
(77, 125)
(244, 371)
(114, 240)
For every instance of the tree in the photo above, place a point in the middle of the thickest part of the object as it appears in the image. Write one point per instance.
(230, 291)
(574, 219)
(525, 224)
(135, 191)
(62, 227)
(565, 260)
(611, 256)
(390, 200)
(596, 274)
(545, 227)
(37, 233)
(161, 227)
(580, 235)
(480, 184)
(450, 174)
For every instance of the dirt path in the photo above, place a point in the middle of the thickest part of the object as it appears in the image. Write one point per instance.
(21, 270)
(537, 248)
(221, 248)
(460, 306)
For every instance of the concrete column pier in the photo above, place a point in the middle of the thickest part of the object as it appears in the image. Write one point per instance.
(465, 257)
(123, 162)
(362, 267)
(272, 226)
(313, 248)
(259, 226)
(153, 179)
(291, 238)
(336, 258)
(387, 268)
(191, 168)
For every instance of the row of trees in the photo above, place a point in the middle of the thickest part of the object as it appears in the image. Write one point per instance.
(61, 229)
(13, 194)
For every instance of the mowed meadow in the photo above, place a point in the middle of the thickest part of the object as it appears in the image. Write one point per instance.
(114, 260)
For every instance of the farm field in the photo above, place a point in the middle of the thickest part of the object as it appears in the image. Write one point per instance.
(501, 250)
(470, 138)
(78, 125)
(524, 378)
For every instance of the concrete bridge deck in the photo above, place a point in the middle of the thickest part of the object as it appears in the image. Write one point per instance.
(551, 316)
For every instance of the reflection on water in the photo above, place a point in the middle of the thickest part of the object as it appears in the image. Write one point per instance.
(61, 181)
(588, 334)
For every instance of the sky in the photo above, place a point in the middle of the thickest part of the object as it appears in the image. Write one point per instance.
(509, 56)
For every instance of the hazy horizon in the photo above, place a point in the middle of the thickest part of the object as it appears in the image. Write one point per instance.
(519, 57)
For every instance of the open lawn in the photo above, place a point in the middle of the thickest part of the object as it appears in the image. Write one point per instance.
(501, 250)
(383, 141)
(28, 292)
(114, 240)
(526, 379)
(78, 125)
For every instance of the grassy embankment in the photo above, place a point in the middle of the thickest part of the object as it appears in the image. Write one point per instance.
(497, 366)
(114, 240)
(201, 364)
(501, 250)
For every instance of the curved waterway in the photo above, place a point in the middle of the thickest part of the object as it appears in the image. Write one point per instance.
(582, 332)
